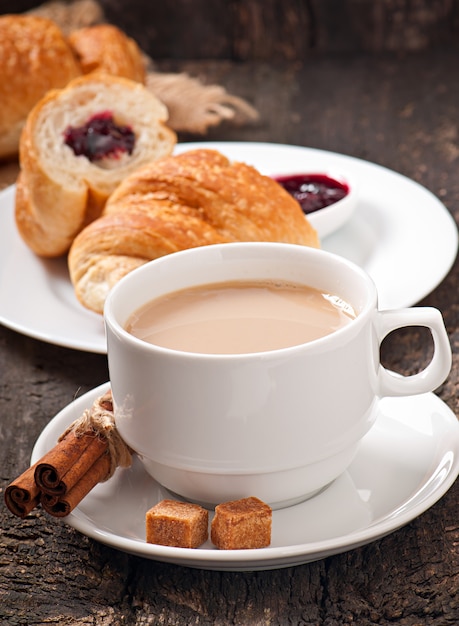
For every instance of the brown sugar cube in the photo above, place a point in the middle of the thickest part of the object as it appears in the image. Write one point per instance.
(241, 524)
(178, 524)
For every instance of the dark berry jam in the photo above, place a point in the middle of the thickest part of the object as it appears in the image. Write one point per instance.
(313, 191)
(100, 137)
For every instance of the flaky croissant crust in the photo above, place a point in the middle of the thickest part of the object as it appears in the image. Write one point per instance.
(34, 58)
(193, 199)
(104, 48)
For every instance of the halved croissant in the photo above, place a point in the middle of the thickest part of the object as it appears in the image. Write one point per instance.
(59, 193)
(193, 199)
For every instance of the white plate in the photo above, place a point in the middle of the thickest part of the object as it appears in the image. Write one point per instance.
(400, 233)
(404, 465)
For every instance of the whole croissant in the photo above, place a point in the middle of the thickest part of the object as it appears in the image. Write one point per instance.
(34, 58)
(104, 48)
(196, 198)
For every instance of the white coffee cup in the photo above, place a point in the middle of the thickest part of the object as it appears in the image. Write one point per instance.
(278, 425)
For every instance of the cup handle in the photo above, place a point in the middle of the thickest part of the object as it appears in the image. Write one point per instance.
(439, 367)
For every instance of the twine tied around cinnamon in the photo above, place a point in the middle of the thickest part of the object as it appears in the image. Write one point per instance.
(99, 420)
(87, 453)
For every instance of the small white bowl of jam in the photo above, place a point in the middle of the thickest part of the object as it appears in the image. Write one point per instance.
(327, 199)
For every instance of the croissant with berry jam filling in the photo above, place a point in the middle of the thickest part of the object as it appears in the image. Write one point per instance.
(78, 144)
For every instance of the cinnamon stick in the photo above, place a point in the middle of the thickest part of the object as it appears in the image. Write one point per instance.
(61, 506)
(87, 453)
(60, 470)
(23, 495)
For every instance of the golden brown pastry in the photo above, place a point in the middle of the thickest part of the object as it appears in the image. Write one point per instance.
(105, 48)
(193, 199)
(34, 57)
(78, 144)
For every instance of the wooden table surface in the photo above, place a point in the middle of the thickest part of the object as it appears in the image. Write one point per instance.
(398, 111)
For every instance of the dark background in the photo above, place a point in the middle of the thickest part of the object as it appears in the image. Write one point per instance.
(278, 30)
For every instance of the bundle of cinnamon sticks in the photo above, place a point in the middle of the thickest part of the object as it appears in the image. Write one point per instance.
(82, 458)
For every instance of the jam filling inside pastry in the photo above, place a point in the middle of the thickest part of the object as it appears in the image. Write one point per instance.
(100, 138)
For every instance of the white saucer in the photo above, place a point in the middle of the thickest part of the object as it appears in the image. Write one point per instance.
(405, 464)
